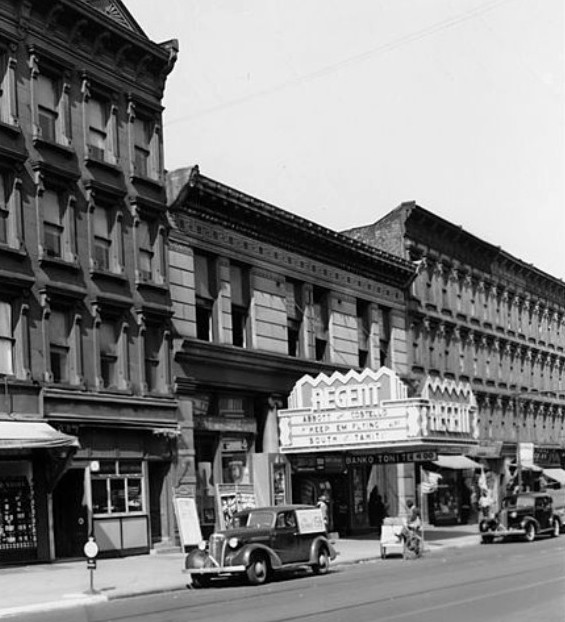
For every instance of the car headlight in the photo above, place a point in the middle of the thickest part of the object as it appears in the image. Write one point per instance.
(202, 545)
(513, 514)
(233, 543)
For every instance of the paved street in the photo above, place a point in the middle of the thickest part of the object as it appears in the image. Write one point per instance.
(500, 582)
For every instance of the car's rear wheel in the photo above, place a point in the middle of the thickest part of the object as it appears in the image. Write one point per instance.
(530, 534)
(486, 539)
(556, 528)
(258, 570)
(323, 564)
(199, 581)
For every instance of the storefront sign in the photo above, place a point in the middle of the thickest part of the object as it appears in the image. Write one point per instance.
(371, 409)
(487, 449)
(392, 458)
(526, 454)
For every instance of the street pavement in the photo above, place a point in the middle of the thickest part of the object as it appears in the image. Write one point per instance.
(63, 585)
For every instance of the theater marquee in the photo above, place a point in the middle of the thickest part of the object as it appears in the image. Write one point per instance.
(371, 410)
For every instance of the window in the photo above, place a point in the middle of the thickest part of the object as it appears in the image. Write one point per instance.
(384, 335)
(145, 143)
(109, 354)
(53, 227)
(6, 339)
(107, 239)
(239, 280)
(4, 207)
(363, 331)
(59, 351)
(151, 252)
(321, 323)
(295, 314)
(157, 364)
(47, 107)
(56, 213)
(101, 130)
(141, 148)
(8, 100)
(118, 487)
(205, 285)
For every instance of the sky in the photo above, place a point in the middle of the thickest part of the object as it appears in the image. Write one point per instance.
(340, 111)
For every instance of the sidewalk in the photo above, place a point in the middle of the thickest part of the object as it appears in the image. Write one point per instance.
(43, 587)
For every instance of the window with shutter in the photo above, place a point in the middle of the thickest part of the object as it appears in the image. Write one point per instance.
(6, 339)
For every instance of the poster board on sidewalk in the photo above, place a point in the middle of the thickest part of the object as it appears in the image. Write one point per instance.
(232, 498)
(187, 521)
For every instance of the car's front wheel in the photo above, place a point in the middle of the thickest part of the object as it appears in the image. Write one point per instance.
(530, 534)
(556, 528)
(323, 564)
(258, 570)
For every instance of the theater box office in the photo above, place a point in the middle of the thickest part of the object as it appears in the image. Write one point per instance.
(360, 439)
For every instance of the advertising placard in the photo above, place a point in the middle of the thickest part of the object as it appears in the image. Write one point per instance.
(310, 520)
(232, 498)
(187, 521)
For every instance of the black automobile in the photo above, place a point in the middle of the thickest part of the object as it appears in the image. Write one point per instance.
(263, 540)
(524, 514)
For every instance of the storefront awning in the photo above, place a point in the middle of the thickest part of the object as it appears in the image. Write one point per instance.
(557, 474)
(33, 435)
(456, 462)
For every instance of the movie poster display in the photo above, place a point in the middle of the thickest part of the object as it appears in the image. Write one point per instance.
(232, 498)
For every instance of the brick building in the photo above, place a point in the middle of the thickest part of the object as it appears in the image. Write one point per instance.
(479, 315)
(84, 304)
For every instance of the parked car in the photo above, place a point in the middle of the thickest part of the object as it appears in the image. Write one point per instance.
(523, 514)
(262, 541)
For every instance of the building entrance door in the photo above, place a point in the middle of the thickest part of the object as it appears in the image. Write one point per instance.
(70, 515)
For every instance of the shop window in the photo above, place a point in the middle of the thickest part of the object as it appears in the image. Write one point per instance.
(118, 487)
(206, 293)
(17, 513)
(295, 315)
(239, 281)
(151, 252)
(321, 323)
(6, 339)
(107, 239)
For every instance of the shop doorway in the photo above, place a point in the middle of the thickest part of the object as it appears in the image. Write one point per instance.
(70, 515)
(157, 477)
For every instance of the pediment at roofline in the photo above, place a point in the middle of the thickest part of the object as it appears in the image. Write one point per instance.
(116, 11)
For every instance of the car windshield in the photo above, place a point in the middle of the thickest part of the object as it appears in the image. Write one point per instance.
(261, 518)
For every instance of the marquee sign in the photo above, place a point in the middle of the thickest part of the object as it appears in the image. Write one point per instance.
(371, 409)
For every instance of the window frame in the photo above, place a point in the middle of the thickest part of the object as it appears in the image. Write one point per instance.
(109, 130)
(156, 250)
(8, 85)
(105, 314)
(113, 210)
(61, 80)
(67, 205)
(152, 326)
(118, 476)
(151, 147)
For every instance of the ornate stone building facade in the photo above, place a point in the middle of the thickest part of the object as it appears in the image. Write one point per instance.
(478, 314)
(85, 311)
(262, 297)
